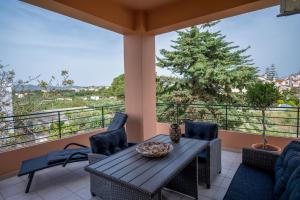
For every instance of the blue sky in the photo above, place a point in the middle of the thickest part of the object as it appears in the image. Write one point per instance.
(34, 41)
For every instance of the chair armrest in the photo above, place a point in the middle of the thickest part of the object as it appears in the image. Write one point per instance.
(75, 144)
(215, 142)
(93, 157)
(214, 150)
(259, 158)
(130, 144)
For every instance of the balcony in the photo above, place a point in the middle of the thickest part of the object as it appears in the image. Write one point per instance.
(37, 134)
(77, 125)
(72, 182)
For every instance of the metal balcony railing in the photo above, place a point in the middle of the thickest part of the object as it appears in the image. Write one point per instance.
(22, 130)
(280, 121)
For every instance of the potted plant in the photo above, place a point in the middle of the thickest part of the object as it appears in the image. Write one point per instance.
(261, 96)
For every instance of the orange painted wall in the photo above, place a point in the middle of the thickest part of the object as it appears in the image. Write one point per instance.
(11, 160)
(235, 141)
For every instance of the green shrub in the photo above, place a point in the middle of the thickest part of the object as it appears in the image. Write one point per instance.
(291, 103)
(280, 101)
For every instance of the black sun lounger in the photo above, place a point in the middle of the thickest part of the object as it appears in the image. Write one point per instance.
(65, 156)
(52, 159)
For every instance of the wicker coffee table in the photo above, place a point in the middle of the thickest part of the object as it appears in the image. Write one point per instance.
(129, 175)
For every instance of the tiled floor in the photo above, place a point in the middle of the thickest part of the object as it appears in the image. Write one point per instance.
(72, 183)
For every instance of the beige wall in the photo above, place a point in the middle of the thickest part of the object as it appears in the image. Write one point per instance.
(10, 161)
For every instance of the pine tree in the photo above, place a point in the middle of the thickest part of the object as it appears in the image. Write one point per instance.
(271, 73)
(209, 67)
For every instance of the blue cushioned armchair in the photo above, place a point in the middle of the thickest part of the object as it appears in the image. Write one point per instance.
(209, 160)
(113, 140)
(267, 176)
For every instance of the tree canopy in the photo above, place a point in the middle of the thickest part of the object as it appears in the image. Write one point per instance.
(117, 87)
(207, 65)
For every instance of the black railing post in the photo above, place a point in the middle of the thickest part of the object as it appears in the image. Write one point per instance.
(102, 117)
(177, 114)
(226, 117)
(59, 124)
(298, 118)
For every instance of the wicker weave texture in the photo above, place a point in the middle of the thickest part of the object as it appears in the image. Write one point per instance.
(207, 171)
(259, 158)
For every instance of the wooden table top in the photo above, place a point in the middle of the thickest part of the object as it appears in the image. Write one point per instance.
(148, 174)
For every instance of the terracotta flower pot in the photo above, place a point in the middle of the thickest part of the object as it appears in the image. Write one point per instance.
(268, 147)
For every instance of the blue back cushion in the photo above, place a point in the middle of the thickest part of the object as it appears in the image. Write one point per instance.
(118, 121)
(292, 191)
(109, 142)
(285, 165)
(201, 130)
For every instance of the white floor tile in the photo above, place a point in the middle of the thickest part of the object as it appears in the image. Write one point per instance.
(73, 183)
(84, 193)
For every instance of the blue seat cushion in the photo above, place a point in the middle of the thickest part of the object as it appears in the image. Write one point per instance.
(250, 183)
(201, 130)
(118, 121)
(292, 191)
(60, 156)
(109, 142)
(286, 164)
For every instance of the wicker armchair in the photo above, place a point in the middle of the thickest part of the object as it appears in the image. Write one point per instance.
(104, 145)
(254, 178)
(209, 161)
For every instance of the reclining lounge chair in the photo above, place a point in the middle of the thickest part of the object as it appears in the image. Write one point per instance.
(65, 156)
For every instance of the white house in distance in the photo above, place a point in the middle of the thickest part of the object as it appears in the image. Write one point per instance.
(95, 98)
(285, 83)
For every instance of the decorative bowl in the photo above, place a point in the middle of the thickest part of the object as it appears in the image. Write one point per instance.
(154, 149)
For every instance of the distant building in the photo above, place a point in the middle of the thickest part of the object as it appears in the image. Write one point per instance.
(285, 83)
(95, 98)
(20, 95)
(64, 99)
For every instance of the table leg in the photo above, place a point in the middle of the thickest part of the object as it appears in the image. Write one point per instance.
(186, 181)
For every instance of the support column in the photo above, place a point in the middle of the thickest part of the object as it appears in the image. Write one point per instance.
(140, 86)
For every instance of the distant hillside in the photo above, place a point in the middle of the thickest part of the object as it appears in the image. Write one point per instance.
(31, 87)
(19, 88)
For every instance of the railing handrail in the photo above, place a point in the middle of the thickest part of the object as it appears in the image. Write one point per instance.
(229, 105)
(118, 105)
(69, 120)
(226, 116)
(62, 110)
(20, 129)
